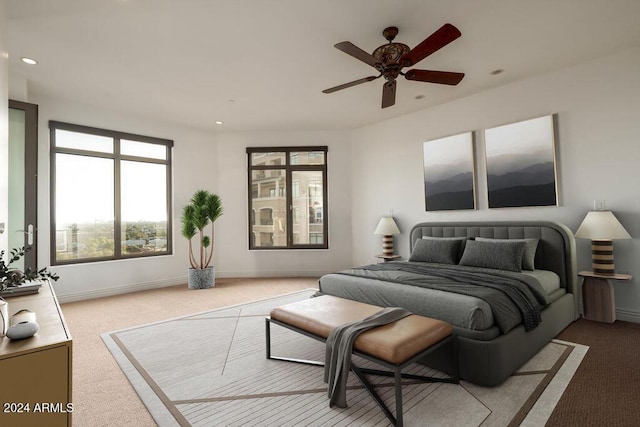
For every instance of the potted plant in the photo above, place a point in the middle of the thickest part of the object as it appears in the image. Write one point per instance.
(12, 277)
(203, 210)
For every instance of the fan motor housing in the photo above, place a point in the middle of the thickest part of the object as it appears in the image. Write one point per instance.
(391, 53)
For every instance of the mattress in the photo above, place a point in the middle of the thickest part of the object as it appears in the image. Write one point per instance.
(549, 280)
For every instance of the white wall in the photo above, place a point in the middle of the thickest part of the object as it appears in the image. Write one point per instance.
(194, 166)
(598, 157)
(233, 257)
(18, 86)
(4, 123)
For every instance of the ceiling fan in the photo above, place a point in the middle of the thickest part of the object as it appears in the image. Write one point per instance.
(389, 59)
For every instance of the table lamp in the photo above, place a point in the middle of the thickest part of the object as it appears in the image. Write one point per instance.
(387, 227)
(602, 227)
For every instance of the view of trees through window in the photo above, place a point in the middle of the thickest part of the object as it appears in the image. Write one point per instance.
(110, 194)
(287, 197)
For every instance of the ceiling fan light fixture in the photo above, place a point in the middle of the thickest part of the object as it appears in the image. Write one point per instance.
(391, 53)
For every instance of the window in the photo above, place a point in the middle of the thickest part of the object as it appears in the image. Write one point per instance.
(288, 192)
(110, 194)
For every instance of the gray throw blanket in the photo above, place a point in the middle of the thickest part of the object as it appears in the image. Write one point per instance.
(513, 298)
(340, 346)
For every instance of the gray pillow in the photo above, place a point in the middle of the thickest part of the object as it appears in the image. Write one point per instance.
(462, 240)
(440, 251)
(529, 257)
(505, 255)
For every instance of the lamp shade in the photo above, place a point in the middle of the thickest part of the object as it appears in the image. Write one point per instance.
(387, 226)
(601, 225)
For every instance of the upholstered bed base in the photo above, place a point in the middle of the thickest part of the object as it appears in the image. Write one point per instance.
(490, 363)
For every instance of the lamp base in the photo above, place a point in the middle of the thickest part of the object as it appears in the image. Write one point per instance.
(602, 257)
(387, 245)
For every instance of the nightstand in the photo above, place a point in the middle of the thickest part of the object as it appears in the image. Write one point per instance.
(386, 258)
(598, 300)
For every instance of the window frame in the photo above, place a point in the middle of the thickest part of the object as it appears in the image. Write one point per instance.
(117, 158)
(289, 169)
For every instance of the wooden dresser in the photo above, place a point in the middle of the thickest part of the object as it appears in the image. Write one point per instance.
(35, 373)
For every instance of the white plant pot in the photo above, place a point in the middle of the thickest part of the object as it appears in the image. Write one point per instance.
(204, 278)
(4, 317)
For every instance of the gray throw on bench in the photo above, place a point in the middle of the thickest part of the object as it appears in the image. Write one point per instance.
(513, 298)
(340, 346)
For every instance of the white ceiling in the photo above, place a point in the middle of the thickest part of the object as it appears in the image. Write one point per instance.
(184, 61)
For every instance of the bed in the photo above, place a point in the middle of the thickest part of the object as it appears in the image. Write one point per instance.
(495, 339)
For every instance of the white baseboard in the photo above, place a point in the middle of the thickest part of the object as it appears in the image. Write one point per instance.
(250, 274)
(628, 315)
(135, 287)
(117, 290)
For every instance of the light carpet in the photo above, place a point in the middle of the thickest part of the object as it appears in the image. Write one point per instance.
(210, 369)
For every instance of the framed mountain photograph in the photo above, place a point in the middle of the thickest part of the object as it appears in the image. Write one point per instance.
(449, 178)
(521, 167)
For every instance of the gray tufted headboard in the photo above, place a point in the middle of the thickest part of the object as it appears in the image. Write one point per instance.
(556, 249)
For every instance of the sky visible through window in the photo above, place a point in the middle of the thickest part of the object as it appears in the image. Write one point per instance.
(143, 192)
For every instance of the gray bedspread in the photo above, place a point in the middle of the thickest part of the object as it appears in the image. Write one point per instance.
(514, 298)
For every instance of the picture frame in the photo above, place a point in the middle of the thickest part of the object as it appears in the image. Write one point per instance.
(521, 164)
(449, 173)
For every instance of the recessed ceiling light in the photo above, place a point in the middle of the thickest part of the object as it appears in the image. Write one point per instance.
(219, 122)
(496, 72)
(29, 61)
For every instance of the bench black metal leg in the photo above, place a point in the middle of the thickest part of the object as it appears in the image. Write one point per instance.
(454, 357)
(410, 376)
(267, 326)
(398, 376)
(372, 392)
(285, 359)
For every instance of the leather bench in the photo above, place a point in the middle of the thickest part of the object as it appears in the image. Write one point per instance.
(393, 346)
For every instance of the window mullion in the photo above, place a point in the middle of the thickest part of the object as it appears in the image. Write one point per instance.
(117, 226)
(250, 199)
(289, 203)
(87, 153)
(325, 204)
(143, 159)
(169, 185)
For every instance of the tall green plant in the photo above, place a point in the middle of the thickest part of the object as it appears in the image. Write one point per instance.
(203, 210)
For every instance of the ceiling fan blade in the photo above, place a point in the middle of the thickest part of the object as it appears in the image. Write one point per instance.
(389, 94)
(429, 76)
(353, 83)
(353, 50)
(442, 37)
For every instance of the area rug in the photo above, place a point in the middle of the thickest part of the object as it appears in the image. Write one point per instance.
(210, 369)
